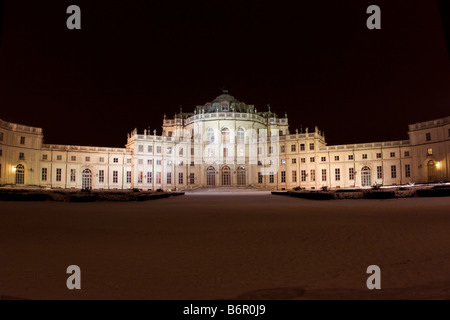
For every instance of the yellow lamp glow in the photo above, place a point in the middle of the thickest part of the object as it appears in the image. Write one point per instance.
(13, 169)
(438, 164)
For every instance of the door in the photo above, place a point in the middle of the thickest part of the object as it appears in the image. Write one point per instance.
(241, 176)
(226, 176)
(365, 177)
(210, 176)
(86, 180)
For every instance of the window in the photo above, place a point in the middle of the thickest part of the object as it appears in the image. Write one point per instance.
(407, 171)
(191, 178)
(140, 161)
(302, 147)
(128, 176)
(393, 172)
(337, 174)
(101, 176)
(259, 163)
(225, 152)
(259, 150)
(192, 163)
(21, 156)
(158, 177)
(169, 150)
(379, 155)
(379, 172)
(149, 161)
(158, 149)
(1, 152)
(225, 135)
(294, 176)
(150, 149)
(22, 140)
(73, 158)
(311, 146)
(101, 159)
(364, 156)
(271, 177)
(303, 160)
(392, 154)
(282, 149)
(428, 136)
(1, 136)
(44, 174)
(283, 161)
(311, 159)
(448, 134)
(44, 157)
(283, 176)
(351, 173)
(271, 162)
(180, 152)
(240, 135)
(406, 153)
(312, 174)
(260, 177)
(149, 177)
(140, 148)
(323, 158)
(210, 135)
(294, 160)
(192, 151)
(324, 174)
(270, 150)
(115, 176)
(58, 174)
(72, 175)
(303, 175)
(350, 157)
(88, 159)
(336, 158)
(169, 177)
(59, 157)
(140, 176)
(169, 162)
(293, 147)
(158, 162)
(430, 151)
(180, 177)
(115, 160)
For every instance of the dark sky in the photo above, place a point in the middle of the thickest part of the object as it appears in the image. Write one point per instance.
(133, 61)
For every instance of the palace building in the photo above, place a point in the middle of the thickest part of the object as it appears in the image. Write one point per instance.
(225, 143)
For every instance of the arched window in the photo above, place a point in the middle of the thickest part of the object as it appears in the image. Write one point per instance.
(226, 176)
(210, 176)
(240, 135)
(86, 180)
(241, 177)
(225, 135)
(20, 174)
(210, 135)
(365, 177)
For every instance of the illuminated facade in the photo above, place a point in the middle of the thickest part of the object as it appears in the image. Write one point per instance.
(225, 143)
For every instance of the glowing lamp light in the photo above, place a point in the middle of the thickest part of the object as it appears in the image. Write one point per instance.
(13, 169)
(438, 164)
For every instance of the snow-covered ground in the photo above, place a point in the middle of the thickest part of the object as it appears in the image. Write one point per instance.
(226, 247)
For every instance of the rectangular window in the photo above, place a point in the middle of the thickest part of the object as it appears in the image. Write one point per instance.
(351, 173)
(44, 174)
(158, 162)
(73, 158)
(101, 159)
(140, 176)
(169, 177)
(311, 159)
(169, 162)
(260, 177)
(259, 163)
(1, 136)
(169, 150)
(406, 153)
(312, 174)
(336, 158)
(259, 150)
(140, 148)
(191, 178)
(311, 146)
(44, 157)
(150, 149)
(180, 152)
(302, 147)
(22, 140)
(72, 175)
(180, 177)
(303, 160)
(158, 177)
(283, 176)
(192, 151)
(21, 156)
(379, 172)
(271, 177)
(430, 151)
(129, 160)
(283, 161)
(116, 160)
(378, 155)
(88, 159)
(364, 156)
(59, 157)
(282, 149)
(149, 177)
(294, 176)
(337, 174)
(115, 176)
(225, 152)
(149, 161)
(270, 150)
(392, 154)
(1, 152)
(271, 162)
(128, 176)
(393, 172)
(101, 176)
(293, 147)
(323, 159)
(324, 174)
(350, 157)
(428, 136)
(158, 149)
(407, 171)
(294, 160)
(140, 161)
(58, 174)
(303, 175)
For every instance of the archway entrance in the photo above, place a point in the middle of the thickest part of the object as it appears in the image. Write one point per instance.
(365, 177)
(431, 166)
(226, 176)
(20, 174)
(210, 176)
(86, 180)
(241, 176)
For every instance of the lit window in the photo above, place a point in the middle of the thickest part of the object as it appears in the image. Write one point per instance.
(429, 151)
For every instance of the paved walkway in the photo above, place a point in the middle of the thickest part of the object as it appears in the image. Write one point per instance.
(227, 191)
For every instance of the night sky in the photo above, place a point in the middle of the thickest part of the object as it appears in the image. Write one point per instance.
(133, 61)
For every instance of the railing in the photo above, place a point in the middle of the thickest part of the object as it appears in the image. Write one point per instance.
(429, 124)
(20, 127)
(366, 145)
(84, 148)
